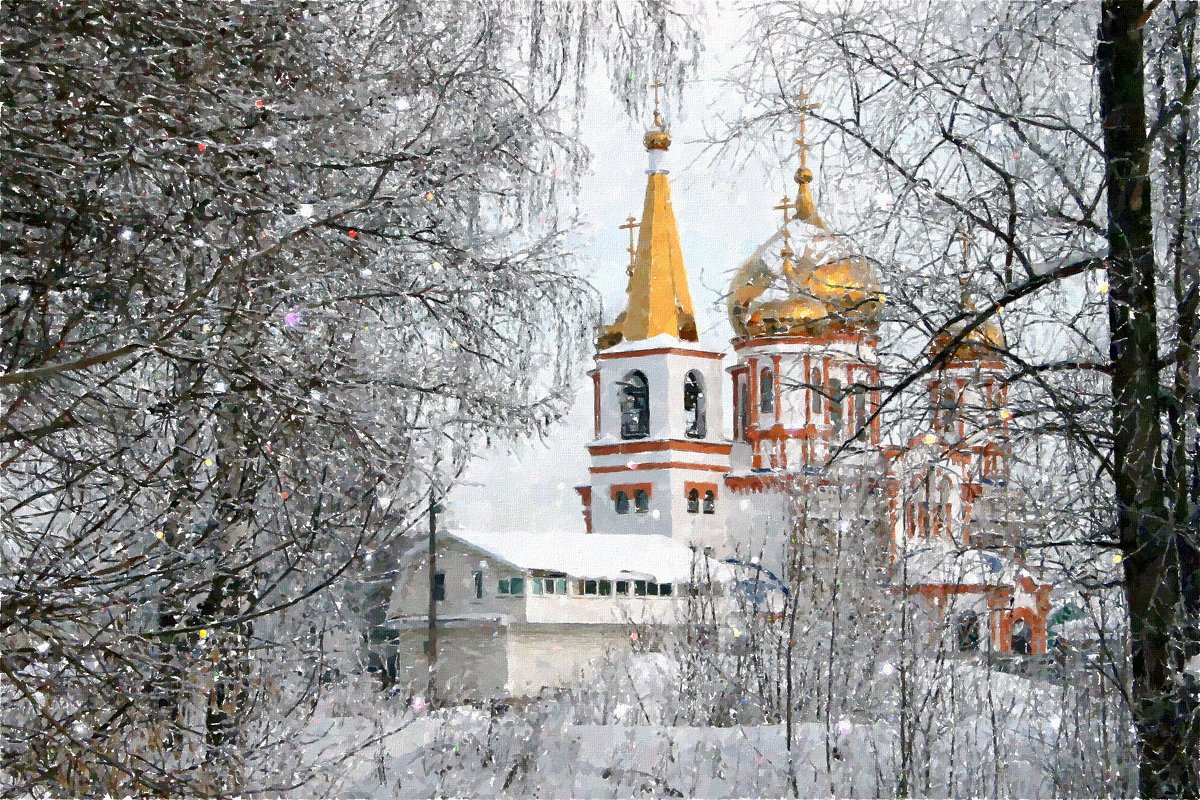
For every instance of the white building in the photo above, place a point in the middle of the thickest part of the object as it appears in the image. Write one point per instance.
(670, 497)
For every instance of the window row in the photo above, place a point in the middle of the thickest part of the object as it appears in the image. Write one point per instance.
(600, 587)
(641, 501)
(514, 587)
(606, 588)
(635, 406)
(838, 400)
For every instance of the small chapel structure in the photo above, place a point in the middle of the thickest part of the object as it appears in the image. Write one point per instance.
(670, 498)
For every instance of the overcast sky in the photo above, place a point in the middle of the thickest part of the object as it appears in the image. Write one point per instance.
(724, 211)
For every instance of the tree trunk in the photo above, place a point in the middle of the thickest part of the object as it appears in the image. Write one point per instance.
(1151, 556)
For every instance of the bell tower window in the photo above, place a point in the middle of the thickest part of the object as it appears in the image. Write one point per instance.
(693, 406)
(621, 503)
(635, 406)
(693, 501)
(710, 502)
(641, 501)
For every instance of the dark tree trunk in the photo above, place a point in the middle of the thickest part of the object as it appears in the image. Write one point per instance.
(1153, 580)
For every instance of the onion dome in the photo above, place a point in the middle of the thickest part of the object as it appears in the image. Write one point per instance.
(980, 344)
(827, 288)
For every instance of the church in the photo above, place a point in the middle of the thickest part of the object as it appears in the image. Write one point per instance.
(670, 499)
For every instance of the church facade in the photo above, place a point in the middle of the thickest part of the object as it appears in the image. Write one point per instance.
(667, 490)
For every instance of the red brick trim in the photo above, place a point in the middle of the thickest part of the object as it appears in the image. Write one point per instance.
(654, 351)
(659, 465)
(686, 445)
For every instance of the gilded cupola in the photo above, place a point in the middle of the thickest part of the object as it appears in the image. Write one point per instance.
(822, 286)
(982, 342)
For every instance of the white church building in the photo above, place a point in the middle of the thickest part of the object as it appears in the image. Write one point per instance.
(674, 507)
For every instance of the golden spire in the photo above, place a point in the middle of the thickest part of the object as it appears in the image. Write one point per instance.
(659, 299)
(806, 209)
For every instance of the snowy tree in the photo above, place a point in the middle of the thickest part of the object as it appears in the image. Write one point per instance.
(1059, 137)
(269, 271)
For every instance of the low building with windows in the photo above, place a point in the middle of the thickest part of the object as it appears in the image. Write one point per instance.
(806, 458)
(519, 613)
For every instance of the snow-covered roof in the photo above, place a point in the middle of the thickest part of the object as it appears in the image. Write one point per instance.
(661, 340)
(941, 565)
(594, 555)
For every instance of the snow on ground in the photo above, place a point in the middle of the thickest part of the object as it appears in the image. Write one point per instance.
(540, 748)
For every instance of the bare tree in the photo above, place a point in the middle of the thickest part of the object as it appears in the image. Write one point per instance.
(1060, 135)
(261, 263)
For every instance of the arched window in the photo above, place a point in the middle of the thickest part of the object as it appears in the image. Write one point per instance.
(693, 504)
(835, 404)
(710, 502)
(641, 501)
(1022, 638)
(943, 511)
(635, 406)
(860, 407)
(947, 410)
(693, 405)
(766, 391)
(966, 629)
(814, 390)
(621, 501)
(743, 407)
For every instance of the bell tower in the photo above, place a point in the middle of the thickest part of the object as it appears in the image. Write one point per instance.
(659, 456)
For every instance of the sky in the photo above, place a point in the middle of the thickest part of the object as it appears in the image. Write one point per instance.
(724, 212)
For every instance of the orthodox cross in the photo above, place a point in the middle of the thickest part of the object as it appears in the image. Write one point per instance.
(804, 107)
(630, 224)
(657, 118)
(964, 237)
(785, 205)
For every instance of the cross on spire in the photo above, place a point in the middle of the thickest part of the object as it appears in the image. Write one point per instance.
(964, 289)
(785, 205)
(631, 224)
(657, 117)
(803, 108)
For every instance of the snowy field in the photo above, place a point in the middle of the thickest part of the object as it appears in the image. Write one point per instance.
(543, 749)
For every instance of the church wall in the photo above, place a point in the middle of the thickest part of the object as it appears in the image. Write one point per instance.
(800, 429)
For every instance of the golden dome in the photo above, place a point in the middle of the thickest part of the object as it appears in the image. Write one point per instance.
(656, 140)
(848, 286)
(826, 287)
(980, 344)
